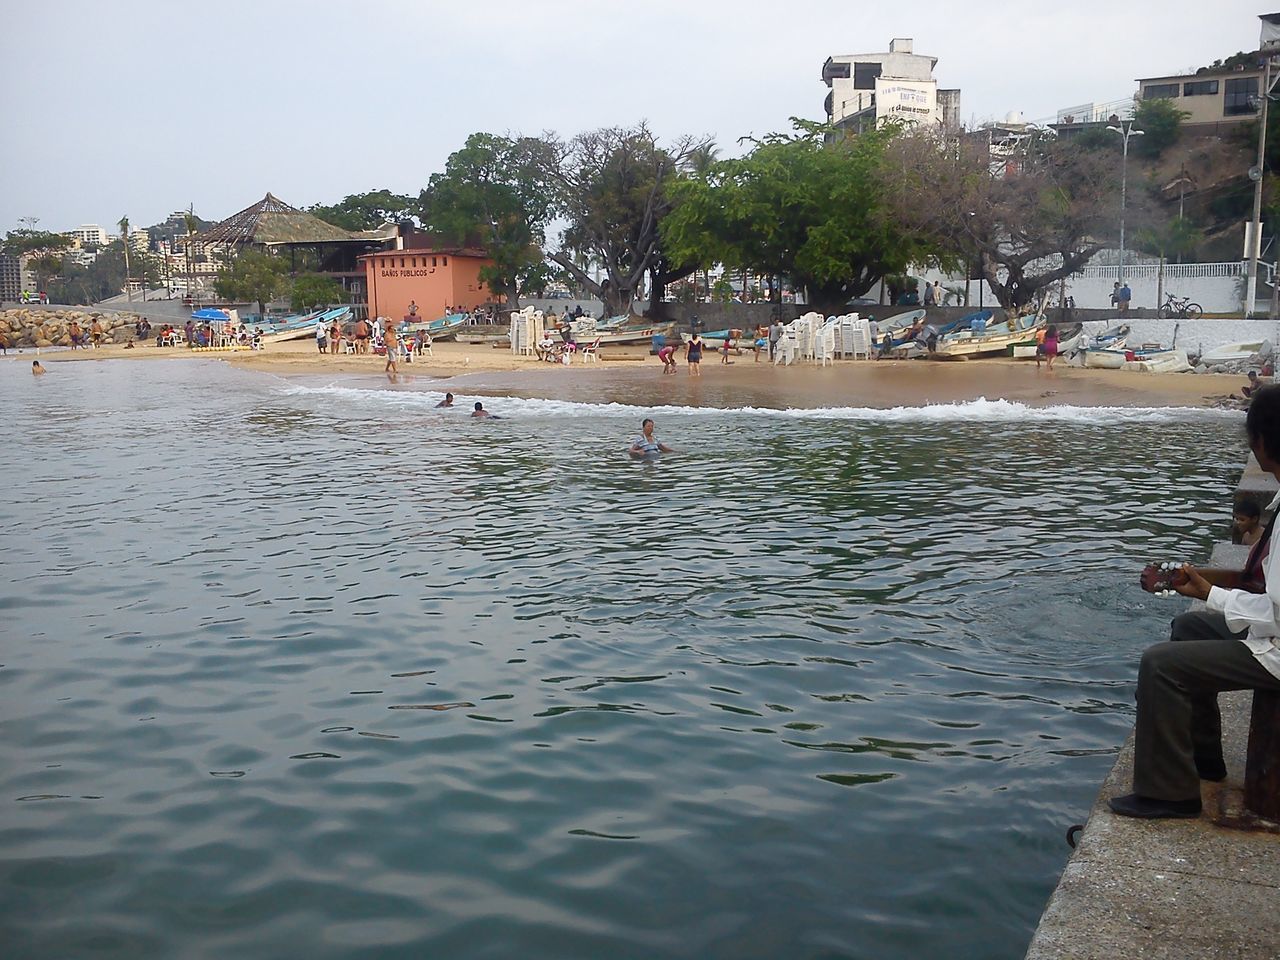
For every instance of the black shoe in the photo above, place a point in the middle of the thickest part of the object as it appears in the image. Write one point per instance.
(1146, 808)
(1213, 770)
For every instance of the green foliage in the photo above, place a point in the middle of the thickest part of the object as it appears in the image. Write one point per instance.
(1169, 239)
(253, 277)
(721, 291)
(493, 193)
(364, 211)
(614, 187)
(798, 206)
(312, 290)
(20, 242)
(1160, 121)
(105, 277)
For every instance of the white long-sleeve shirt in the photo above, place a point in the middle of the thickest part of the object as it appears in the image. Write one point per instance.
(1258, 612)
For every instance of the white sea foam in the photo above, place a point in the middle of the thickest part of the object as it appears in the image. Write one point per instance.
(981, 410)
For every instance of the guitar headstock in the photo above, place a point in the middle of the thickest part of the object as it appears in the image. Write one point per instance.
(1162, 579)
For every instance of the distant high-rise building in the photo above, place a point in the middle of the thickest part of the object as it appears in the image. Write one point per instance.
(868, 89)
(90, 233)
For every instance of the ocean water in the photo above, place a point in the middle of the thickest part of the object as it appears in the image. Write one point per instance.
(315, 669)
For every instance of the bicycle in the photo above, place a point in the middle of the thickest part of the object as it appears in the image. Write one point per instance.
(1179, 307)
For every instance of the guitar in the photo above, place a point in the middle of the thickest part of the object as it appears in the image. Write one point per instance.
(1163, 579)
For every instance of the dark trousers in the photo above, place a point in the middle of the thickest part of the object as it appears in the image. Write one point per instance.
(1179, 727)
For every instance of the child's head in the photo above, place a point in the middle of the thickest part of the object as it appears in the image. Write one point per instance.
(1247, 515)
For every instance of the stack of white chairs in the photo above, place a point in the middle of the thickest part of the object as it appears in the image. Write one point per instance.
(788, 347)
(861, 339)
(824, 341)
(806, 327)
(526, 330)
(844, 334)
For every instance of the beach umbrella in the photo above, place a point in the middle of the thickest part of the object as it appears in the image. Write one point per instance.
(209, 313)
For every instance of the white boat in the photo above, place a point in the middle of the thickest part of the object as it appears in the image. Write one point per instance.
(626, 335)
(1158, 361)
(1229, 352)
(900, 321)
(444, 328)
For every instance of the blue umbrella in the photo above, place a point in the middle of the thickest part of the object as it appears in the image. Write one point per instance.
(209, 313)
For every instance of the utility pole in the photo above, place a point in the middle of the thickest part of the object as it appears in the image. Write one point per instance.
(1255, 233)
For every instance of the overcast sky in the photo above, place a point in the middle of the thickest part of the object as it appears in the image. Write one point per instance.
(141, 107)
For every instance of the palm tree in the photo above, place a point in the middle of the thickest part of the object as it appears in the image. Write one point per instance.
(124, 240)
(189, 218)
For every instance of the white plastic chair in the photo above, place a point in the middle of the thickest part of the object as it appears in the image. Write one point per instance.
(590, 352)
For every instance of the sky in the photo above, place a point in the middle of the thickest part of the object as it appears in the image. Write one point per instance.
(141, 107)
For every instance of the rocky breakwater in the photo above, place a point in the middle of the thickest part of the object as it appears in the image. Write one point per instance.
(49, 328)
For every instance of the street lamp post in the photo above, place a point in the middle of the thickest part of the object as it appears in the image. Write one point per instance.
(1125, 132)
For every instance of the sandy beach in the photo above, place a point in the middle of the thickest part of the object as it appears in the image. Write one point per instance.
(630, 374)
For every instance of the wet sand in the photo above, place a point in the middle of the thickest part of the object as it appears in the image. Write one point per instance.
(635, 377)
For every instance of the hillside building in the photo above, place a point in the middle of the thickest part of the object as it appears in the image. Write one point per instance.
(868, 89)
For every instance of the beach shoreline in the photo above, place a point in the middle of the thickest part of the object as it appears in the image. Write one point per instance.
(629, 375)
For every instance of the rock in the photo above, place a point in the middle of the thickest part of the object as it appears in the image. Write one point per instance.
(1202, 368)
(1219, 368)
(1266, 351)
(43, 343)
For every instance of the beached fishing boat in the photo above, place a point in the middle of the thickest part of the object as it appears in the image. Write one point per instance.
(1229, 352)
(445, 328)
(1157, 361)
(982, 342)
(304, 326)
(628, 335)
(900, 321)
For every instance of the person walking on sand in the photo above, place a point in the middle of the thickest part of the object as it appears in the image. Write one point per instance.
(96, 333)
(775, 334)
(725, 346)
(322, 333)
(392, 345)
(1049, 346)
(693, 354)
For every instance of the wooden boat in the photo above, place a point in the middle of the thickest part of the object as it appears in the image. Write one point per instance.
(899, 321)
(1158, 361)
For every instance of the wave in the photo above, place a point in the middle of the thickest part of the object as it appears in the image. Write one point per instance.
(969, 411)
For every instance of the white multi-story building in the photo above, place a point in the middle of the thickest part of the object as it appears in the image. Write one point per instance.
(140, 240)
(90, 234)
(868, 89)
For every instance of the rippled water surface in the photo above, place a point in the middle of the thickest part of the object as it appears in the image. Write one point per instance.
(320, 671)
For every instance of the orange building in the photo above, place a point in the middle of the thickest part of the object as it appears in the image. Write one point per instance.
(433, 278)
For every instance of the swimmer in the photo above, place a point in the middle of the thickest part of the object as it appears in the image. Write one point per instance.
(647, 445)
(447, 401)
(36, 369)
(480, 411)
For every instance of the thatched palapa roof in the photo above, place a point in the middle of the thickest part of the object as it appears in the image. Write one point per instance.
(271, 222)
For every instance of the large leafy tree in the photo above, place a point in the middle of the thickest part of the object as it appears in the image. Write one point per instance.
(806, 205)
(18, 243)
(1160, 122)
(254, 277)
(494, 193)
(1027, 217)
(613, 187)
(364, 211)
(313, 290)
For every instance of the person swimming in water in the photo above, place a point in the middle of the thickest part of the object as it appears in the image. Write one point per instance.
(480, 411)
(447, 401)
(647, 445)
(36, 369)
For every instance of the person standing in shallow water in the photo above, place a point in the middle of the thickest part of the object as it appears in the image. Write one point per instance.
(693, 354)
(647, 445)
(36, 369)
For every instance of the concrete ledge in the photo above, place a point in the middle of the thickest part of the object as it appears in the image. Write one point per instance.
(1171, 889)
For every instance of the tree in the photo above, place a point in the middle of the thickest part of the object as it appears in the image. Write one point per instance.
(312, 290)
(1167, 239)
(104, 277)
(494, 193)
(45, 267)
(253, 277)
(805, 205)
(1160, 121)
(19, 243)
(124, 238)
(1039, 217)
(612, 185)
(364, 211)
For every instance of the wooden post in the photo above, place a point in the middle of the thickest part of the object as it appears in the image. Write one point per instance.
(1262, 768)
